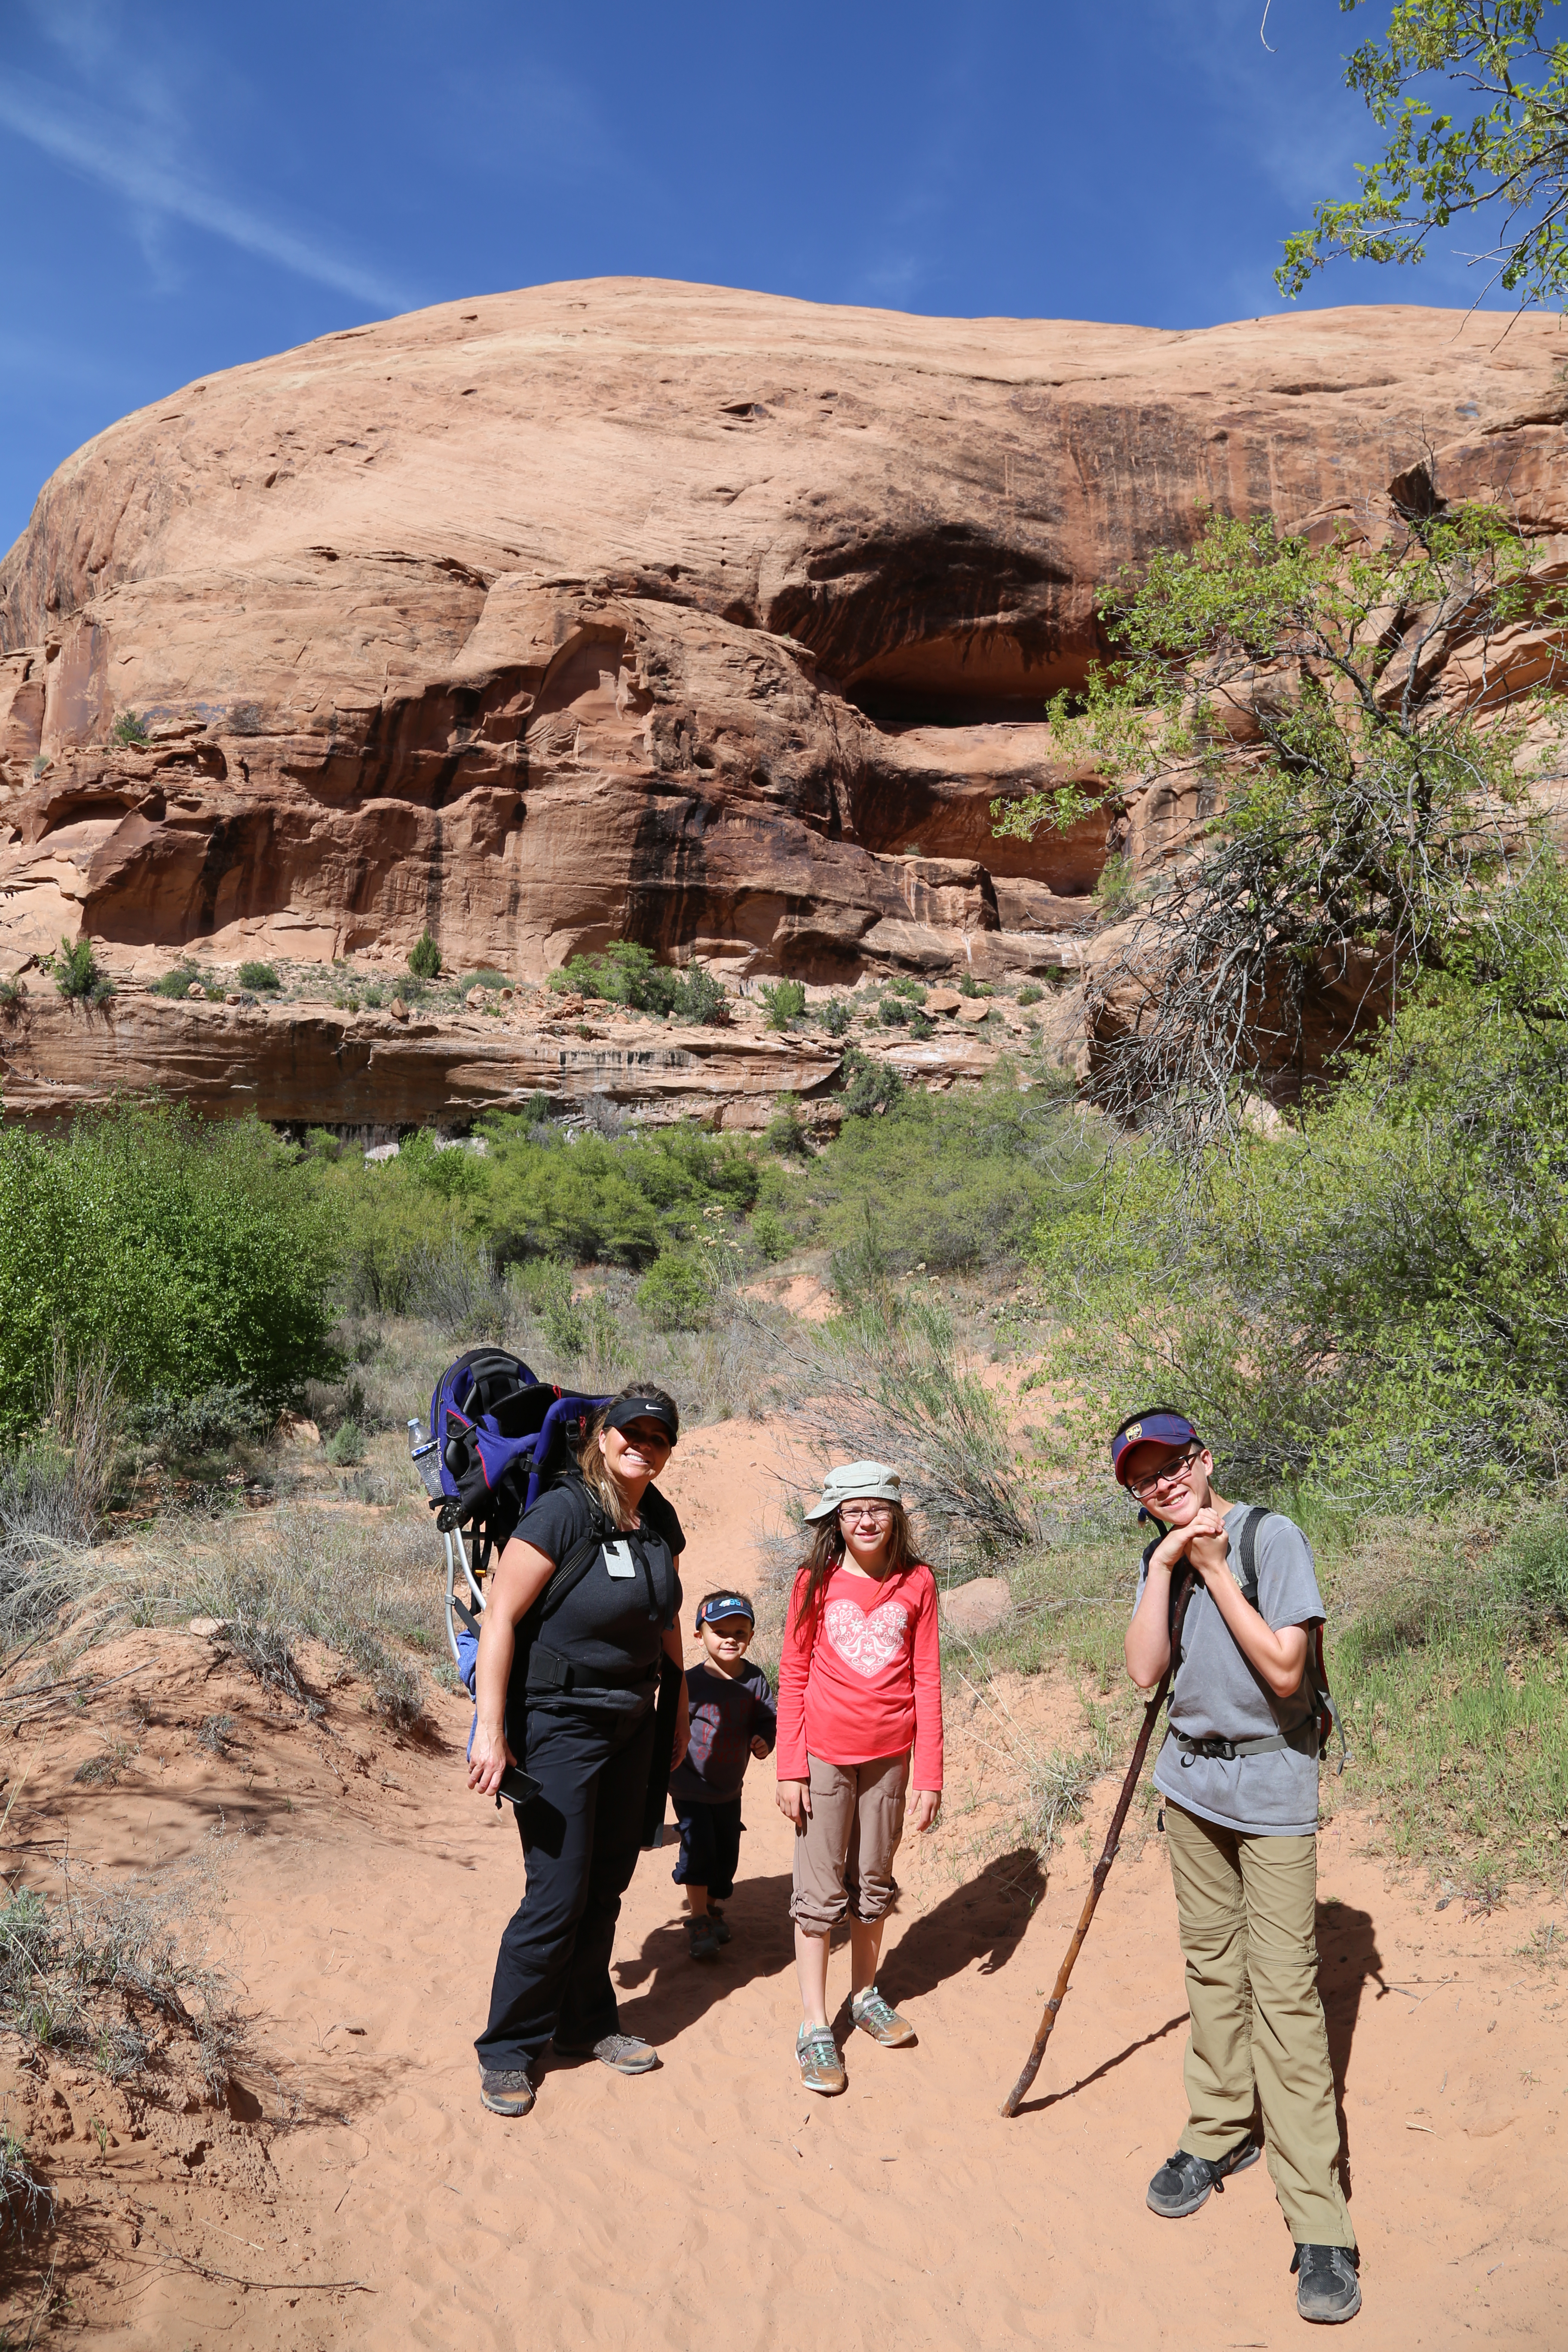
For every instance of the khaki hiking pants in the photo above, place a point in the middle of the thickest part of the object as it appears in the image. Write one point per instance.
(1248, 1909)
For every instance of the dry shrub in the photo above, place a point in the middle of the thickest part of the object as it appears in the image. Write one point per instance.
(368, 1588)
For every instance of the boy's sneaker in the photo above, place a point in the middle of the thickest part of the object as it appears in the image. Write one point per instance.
(821, 2067)
(702, 1941)
(717, 1922)
(629, 2054)
(505, 2093)
(1326, 2288)
(872, 2014)
(1183, 2182)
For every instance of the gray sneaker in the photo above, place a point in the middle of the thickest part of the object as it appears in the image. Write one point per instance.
(1326, 2288)
(821, 2067)
(505, 2093)
(629, 2054)
(878, 2018)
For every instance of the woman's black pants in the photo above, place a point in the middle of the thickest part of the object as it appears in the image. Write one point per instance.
(580, 1837)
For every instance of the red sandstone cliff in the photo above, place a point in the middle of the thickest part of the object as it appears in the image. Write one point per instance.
(634, 609)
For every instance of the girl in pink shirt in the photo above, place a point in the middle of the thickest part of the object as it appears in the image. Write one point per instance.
(859, 1697)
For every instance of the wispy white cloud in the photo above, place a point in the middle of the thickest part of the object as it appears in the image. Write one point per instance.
(134, 161)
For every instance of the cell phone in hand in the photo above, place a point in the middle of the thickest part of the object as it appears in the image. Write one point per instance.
(519, 1788)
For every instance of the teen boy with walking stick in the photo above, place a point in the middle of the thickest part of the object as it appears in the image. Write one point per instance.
(1238, 1773)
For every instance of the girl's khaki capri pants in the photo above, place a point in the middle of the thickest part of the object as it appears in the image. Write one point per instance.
(857, 1818)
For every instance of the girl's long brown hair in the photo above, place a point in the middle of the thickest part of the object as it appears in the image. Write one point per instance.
(597, 1476)
(827, 1553)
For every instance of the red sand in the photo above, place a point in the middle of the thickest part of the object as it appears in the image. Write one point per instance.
(715, 2203)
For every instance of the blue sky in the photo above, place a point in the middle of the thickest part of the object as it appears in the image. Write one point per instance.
(190, 186)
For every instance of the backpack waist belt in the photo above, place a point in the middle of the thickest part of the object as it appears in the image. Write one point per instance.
(546, 1672)
(1304, 1738)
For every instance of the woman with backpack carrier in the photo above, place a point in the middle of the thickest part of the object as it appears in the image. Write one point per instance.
(593, 1565)
(1238, 1774)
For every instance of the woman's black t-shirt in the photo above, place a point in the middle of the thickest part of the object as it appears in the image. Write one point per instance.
(607, 1626)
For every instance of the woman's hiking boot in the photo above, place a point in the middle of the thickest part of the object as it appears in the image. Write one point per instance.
(505, 2093)
(717, 1921)
(1183, 2182)
(872, 2014)
(821, 2067)
(1326, 2288)
(629, 2054)
(701, 1938)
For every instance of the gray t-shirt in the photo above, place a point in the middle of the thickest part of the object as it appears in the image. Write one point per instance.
(1220, 1696)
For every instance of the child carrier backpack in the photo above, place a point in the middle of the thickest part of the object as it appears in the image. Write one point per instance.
(1324, 1714)
(497, 1436)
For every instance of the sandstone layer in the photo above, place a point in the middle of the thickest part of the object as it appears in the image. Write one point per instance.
(631, 609)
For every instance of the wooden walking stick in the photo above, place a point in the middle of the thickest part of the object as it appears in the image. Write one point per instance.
(1010, 2104)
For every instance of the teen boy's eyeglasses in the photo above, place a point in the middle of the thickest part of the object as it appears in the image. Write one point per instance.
(1174, 1473)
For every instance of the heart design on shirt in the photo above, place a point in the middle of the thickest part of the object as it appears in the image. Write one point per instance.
(866, 1642)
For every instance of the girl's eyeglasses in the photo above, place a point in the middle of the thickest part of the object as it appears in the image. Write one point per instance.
(852, 1517)
(1174, 1473)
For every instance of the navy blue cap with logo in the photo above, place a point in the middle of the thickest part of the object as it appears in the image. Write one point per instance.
(1150, 1429)
(725, 1604)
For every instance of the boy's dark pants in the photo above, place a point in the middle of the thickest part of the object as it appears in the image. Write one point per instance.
(580, 1837)
(710, 1847)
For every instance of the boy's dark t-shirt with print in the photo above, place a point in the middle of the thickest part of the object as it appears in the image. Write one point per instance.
(728, 1712)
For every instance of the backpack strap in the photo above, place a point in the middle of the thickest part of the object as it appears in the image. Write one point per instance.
(1325, 1714)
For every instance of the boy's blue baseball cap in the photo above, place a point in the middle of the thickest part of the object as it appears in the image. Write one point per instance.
(1151, 1429)
(725, 1604)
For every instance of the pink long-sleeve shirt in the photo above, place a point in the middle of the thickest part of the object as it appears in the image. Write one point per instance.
(861, 1677)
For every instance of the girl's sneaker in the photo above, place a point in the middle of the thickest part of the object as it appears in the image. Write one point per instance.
(871, 2013)
(701, 1940)
(717, 1922)
(821, 2067)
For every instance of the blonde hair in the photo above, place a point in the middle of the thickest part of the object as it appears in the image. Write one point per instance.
(598, 1478)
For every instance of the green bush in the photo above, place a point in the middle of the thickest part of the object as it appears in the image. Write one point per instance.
(893, 1012)
(624, 974)
(873, 1085)
(677, 1292)
(487, 978)
(785, 1002)
(189, 1256)
(424, 958)
(904, 984)
(128, 730)
(836, 1016)
(771, 1236)
(1374, 1300)
(180, 1428)
(258, 976)
(180, 981)
(345, 1447)
(784, 1132)
(1030, 994)
(77, 974)
(1531, 1566)
(921, 1024)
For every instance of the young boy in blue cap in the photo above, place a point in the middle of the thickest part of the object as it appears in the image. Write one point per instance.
(1238, 1773)
(732, 1719)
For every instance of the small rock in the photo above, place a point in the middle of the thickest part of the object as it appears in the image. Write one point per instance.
(475, 1000)
(295, 1430)
(974, 1009)
(943, 1000)
(195, 991)
(507, 994)
(976, 1607)
(398, 1010)
(205, 1627)
(233, 997)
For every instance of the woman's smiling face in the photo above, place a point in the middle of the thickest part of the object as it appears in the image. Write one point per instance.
(637, 1453)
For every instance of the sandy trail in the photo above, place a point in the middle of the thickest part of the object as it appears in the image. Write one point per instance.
(715, 2200)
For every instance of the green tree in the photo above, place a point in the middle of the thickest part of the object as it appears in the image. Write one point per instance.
(1509, 153)
(1353, 749)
